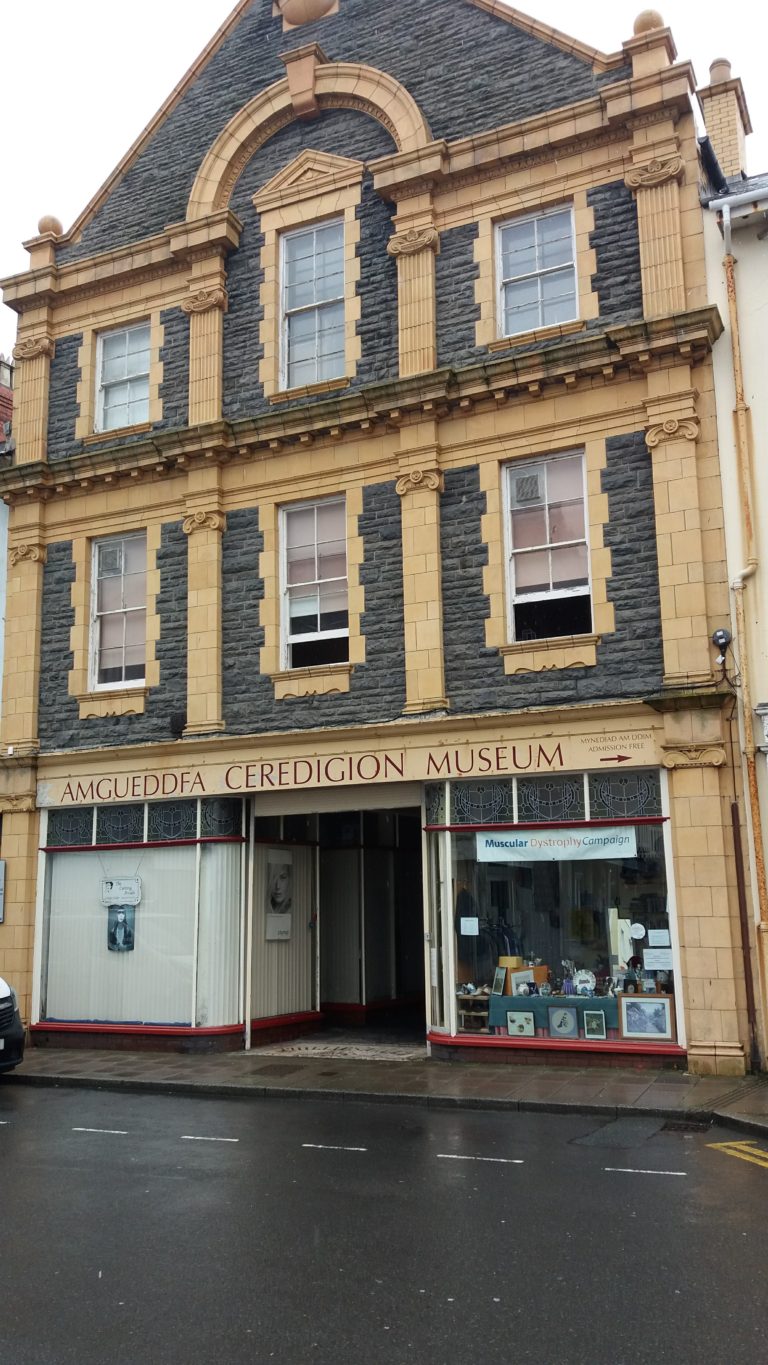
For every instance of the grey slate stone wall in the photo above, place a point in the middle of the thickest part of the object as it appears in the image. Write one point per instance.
(60, 726)
(65, 375)
(377, 690)
(340, 133)
(62, 398)
(174, 353)
(467, 70)
(629, 660)
(457, 312)
(616, 243)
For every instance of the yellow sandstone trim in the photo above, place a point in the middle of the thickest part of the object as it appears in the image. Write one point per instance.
(488, 329)
(312, 681)
(122, 701)
(87, 399)
(569, 652)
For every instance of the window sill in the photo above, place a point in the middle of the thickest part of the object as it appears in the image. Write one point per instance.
(311, 682)
(561, 329)
(541, 656)
(121, 701)
(308, 390)
(116, 433)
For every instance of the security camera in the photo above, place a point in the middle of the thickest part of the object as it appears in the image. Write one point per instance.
(721, 639)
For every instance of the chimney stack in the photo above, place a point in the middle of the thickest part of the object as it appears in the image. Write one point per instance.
(726, 117)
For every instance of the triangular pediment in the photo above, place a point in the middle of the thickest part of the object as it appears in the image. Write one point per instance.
(308, 174)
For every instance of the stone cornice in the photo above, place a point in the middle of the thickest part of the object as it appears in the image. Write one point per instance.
(155, 257)
(601, 117)
(618, 352)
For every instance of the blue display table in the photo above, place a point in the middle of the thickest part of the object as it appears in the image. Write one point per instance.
(539, 1006)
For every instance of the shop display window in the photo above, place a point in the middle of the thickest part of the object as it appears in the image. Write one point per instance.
(142, 916)
(560, 919)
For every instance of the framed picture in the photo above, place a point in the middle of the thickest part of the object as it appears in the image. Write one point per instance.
(499, 981)
(647, 1018)
(522, 977)
(594, 1024)
(521, 1024)
(563, 1021)
(121, 928)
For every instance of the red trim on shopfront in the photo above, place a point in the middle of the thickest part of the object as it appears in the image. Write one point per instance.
(278, 1020)
(154, 843)
(551, 824)
(168, 1030)
(625, 1045)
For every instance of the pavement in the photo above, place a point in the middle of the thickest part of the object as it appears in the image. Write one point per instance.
(296, 1071)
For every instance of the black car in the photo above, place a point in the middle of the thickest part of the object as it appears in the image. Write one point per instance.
(11, 1028)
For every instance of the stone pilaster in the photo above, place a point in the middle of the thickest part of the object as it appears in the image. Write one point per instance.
(655, 181)
(671, 436)
(419, 486)
(203, 524)
(694, 753)
(205, 307)
(415, 250)
(21, 678)
(33, 355)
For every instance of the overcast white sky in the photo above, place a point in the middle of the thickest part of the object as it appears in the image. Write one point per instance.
(80, 80)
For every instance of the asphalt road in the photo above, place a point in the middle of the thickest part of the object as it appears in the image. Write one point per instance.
(144, 1230)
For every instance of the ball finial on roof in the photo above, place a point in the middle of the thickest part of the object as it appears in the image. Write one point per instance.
(647, 21)
(49, 224)
(298, 12)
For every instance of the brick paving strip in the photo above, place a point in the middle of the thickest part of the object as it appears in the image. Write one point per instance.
(615, 1092)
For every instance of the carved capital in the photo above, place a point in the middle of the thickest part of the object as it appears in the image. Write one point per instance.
(693, 755)
(685, 429)
(204, 300)
(33, 346)
(420, 478)
(20, 801)
(36, 553)
(656, 172)
(414, 240)
(203, 521)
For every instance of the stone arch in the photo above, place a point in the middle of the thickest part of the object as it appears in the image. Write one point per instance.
(338, 85)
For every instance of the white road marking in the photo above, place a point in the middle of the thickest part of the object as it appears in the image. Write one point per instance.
(498, 1160)
(633, 1170)
(324, 1147)
(190, 1137)
(114, 1132)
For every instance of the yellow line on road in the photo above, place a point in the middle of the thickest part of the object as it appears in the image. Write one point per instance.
(745, 1151)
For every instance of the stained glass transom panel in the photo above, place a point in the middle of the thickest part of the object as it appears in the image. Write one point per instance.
(548, 799)
(70, 828)
(169, 820)
(221, 818)
(120, 824)
(434, 798)
(482, 803)
(624, 796)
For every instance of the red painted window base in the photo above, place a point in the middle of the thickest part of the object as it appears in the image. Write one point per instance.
(165, 1030)
(624, 1045)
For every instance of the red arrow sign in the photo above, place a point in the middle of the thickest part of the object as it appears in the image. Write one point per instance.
(617, 758)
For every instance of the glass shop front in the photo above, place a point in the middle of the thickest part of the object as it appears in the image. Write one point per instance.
(555, 914)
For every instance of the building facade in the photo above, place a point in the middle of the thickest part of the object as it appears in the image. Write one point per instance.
(366, 547)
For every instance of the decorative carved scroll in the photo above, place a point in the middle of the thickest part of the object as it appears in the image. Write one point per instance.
(686, 429)
(656, 172)
(204, 300)
(693, 756)
(36, 553)
(420, 478)
(203, 521)
(414, 240)
(33, 346)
